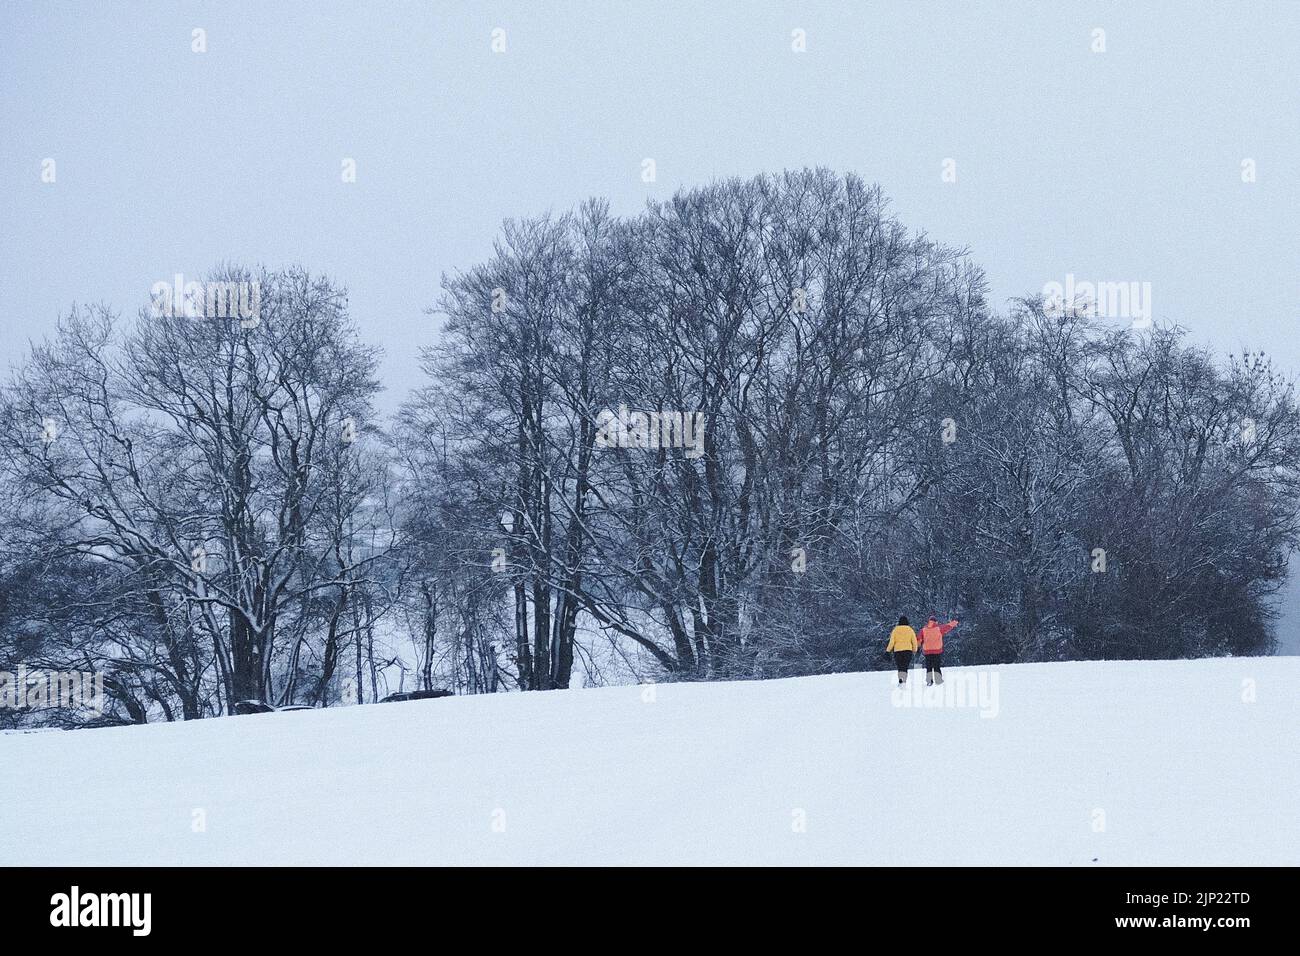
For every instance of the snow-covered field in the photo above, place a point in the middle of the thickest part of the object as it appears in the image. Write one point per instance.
(1086, 764)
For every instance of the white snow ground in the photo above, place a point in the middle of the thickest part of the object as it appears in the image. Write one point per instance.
(1088, 764)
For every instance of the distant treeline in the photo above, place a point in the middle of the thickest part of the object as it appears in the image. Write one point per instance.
(735, 435)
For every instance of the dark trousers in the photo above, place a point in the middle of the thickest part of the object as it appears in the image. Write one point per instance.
(934, 662)
(903, 659)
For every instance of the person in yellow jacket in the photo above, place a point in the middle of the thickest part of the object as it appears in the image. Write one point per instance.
(902, 644)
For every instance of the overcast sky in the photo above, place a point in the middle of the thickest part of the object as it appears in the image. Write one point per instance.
(1122, 165)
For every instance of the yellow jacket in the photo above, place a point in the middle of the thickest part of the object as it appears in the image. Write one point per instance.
(902, 638)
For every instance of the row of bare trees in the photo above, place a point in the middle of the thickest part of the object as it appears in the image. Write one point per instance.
(876, 441)
(829, 426)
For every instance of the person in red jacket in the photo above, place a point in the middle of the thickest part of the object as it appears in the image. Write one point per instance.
(931, 641)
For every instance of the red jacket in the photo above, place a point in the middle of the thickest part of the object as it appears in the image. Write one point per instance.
(931, 636)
